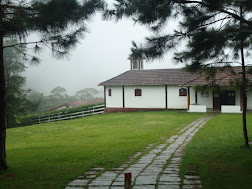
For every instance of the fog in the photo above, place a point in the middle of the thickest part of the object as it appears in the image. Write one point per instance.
(102, 54)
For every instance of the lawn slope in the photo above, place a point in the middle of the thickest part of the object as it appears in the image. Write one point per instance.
(50, 155)
(218, 151)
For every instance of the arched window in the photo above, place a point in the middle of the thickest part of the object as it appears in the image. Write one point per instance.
(109, 92)
(141, 65)
(138, 92)
(135, 64)
(182, 92)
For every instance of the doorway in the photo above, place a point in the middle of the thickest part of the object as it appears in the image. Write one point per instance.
(224, 97)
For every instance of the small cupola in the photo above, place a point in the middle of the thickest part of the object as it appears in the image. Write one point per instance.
(136, 64)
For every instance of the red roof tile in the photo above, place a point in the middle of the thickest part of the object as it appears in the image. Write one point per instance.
(172, 77)
(150, 77)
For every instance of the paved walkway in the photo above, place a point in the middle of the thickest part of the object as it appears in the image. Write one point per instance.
(155, 169)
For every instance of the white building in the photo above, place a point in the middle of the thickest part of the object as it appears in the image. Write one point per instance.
(172, 89)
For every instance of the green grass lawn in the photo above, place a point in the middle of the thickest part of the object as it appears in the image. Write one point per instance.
(50, 155)
(217, 150)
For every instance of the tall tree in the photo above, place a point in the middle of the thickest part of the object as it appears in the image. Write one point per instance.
(58, 96)
(14, 64)
(60, 24)
(216, 33)
(86, 94)
(38, 99)
(59, 92)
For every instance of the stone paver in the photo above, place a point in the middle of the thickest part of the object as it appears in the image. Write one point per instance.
(151, 170)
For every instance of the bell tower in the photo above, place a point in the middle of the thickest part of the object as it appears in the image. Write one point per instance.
(136, 64)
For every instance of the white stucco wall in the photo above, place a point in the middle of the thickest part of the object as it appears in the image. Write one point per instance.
(208, 101)
(237, 97)
(174, 100)
(230, 109)
(116, 98)
(197, 108)
(192, 95)
(152, 97)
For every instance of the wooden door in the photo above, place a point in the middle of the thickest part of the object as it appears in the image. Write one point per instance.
(216, 100)
(225, 97)
(228, 97)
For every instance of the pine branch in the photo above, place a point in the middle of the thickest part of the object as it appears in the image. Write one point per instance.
(57, 53)
(237, 17)
(190, 2)
(34, 60)
(246, 31)
(222, 26)
(211, 23)
(27, 43)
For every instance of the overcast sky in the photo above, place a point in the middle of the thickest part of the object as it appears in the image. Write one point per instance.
(101, 55)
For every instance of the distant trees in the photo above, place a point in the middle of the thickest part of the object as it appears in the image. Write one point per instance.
(16, 95)
(59, 96)
(60, 23)
(58, 93)
(86, 94)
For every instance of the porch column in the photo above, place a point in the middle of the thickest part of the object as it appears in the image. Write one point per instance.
(196, 96)
(188, 97)
(123, 97)
(105, 96)
(166, 101)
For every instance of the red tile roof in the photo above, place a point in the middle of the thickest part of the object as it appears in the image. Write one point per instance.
(151, 77)
(173, 77)
(221, 78)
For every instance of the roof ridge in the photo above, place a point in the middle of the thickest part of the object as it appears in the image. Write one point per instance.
(113, 78)
(169, 76)
(192, 80)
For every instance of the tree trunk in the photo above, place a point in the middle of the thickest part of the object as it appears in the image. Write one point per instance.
(3, 163)
(243, 86)
(244, 100)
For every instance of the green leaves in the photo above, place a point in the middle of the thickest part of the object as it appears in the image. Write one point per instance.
(86, 94)
(14, 63)
(61, 22)
(210, 28)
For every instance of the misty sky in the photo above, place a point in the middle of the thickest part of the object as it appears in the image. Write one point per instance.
(101, 55)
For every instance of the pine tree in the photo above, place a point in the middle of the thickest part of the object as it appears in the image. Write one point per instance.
(216, 33)
(14, 65)
(59, 23)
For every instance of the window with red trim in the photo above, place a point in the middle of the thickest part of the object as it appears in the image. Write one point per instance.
(182, 92)
(109, 92)
(138, 92)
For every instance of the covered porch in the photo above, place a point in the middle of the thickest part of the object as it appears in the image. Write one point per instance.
(224, 100)
(217, 94)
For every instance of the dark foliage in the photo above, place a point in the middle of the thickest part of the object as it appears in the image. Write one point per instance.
(59, 23)
(217, 33)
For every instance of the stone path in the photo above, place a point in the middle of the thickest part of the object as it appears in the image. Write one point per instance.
(157, 167)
